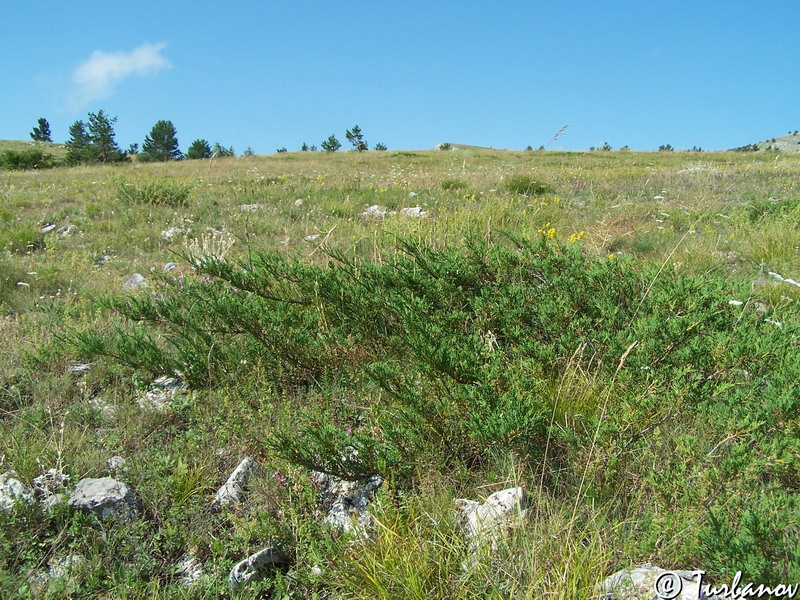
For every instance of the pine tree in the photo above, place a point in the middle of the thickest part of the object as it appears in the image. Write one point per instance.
(161, 144)
(222, 152)
(331, 144)
(101, 137)
(42, 132)
(356, 138)
(79, 145)
(199, 149)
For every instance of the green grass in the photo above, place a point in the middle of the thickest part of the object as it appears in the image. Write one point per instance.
(56, 149)
(461, 364)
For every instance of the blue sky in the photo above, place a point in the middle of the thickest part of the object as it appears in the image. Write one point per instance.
(411, 74)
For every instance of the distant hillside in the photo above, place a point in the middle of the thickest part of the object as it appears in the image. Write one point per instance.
(785, 143)
(454, 146)
(57, 150)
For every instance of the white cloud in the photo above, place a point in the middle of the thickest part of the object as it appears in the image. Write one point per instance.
(96, 78)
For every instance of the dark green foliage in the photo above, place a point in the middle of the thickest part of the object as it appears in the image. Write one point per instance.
(769, 207)
(281, 150)
(21, 239)
(761, 539)
(161, 144)
(94, 143)
(460, 349)
(746, 148)
(304, 147)
(606, 147)
(101, 137)
(169, 192)
(526, 185)
(356, 138)
(380, 147)
(445, 146)
(199, 149)
(221, 151)
(23, 160)
(79, 145)
(249, 152)
(42, 132)
(454, 184)
(665, 148)
(331, 144)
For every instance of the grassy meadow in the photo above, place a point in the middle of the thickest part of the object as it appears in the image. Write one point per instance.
(617, 332)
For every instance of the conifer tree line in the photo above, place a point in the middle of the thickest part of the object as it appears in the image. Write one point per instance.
(94, 142)
(354, 136)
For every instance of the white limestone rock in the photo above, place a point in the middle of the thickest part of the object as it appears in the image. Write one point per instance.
(80, 369)
(345, 502)
(13, 491)
(107, 498)
(49, 486)
(117, 465)
(189, 570)
(374, 212)
(640, 582)
(233, 491)
(134, 282)
(161, 393)
(413, 212)
(492, 518)
(257, 566)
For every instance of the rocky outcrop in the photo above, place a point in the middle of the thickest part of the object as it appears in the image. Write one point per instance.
(80, 369)
(345, 502)
(50, 487)
(374, 212)
(135, 282)
(161, 393)
(257, 566)
(189, 570)
(13, 491)
(106, 498)
(65, 569)
(117, 465)
(235, 487)
(491, 520)
(413, 212)
(649, 581)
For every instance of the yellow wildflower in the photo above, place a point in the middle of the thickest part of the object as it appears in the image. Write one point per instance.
(576, 237)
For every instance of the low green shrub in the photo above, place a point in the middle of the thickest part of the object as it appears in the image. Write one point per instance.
(167, 192)
(760, 540)
(459, 349)
(24, 160)
(454, 184)
(526, 185)
(22, 238)
(763, 208)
